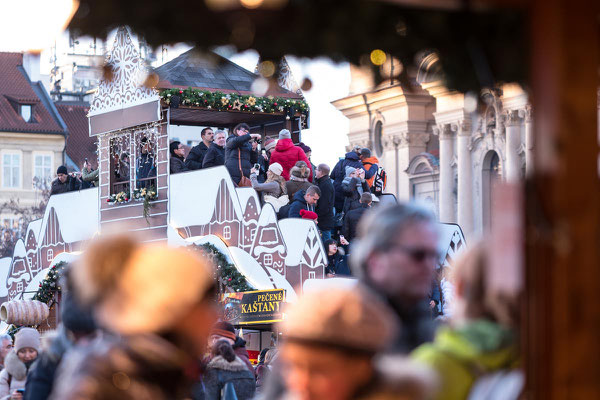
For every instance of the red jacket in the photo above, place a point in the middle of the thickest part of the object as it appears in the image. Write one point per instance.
(288, 155)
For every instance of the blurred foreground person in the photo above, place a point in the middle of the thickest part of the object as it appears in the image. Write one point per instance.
(157, 305)
(77, 326)
(477, 354)
(396, 253)
(17, 363)
(225, 367)
(263, 370)
(329, 349)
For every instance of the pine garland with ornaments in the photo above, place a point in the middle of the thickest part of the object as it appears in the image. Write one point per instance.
(220, 101)
(226, 273)
(47, 290)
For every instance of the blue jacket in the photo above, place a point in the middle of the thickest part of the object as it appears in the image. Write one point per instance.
(339, 173)
(298, 204)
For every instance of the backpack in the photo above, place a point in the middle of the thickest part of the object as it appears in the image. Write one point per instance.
(380, 181)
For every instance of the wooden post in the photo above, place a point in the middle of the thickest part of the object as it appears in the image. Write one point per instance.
(562, 321)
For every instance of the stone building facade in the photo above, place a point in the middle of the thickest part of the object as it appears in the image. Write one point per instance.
(442, 147)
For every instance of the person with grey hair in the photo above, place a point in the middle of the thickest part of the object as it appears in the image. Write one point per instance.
(6, 344)
(287, 155)
(396, 253)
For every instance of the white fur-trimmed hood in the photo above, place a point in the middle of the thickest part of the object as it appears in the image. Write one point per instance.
(15, 367)
(219, 362)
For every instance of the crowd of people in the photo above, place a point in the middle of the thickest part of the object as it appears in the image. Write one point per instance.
(285, 177)
(133, 329)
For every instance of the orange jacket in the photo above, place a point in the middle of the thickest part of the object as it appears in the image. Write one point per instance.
(369, 163)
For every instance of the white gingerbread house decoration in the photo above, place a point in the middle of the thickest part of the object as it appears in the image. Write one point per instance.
(123, 90)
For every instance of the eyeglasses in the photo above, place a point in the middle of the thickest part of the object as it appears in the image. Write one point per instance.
(418, 254)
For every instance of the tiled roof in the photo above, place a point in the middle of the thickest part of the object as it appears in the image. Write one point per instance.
(211, 72)
(16, 89)
(79, 143)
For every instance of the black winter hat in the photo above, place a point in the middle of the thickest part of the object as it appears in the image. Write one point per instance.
(61, 170)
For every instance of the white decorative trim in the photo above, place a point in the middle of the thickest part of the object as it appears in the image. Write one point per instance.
(125, 89)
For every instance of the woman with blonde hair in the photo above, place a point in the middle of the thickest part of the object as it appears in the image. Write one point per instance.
(481, 339)
(273, 190)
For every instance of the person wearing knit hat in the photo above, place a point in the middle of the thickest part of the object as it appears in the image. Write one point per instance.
(225, 331)
(299, 175)
(17, 363)
(336, 331)
(270, 144)
(287, 154)
(222, 330)
(156, 305)
(306, 214)
(273, 190)
(64, 182)
(285, 134)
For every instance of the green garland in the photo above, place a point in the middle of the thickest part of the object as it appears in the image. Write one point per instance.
(225, 272)
(46, 291)
(49, 286)
(228, 102)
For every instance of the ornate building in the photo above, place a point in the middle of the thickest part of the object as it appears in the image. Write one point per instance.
(440, 146)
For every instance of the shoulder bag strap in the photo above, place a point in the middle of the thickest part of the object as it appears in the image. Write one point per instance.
(240, 162)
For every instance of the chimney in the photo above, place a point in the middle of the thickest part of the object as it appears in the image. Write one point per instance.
(31, 64)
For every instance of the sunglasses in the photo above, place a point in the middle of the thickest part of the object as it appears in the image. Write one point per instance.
(418, 254)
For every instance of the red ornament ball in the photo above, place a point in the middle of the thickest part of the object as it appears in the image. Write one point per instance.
(275, 104)
(229, 279)
(181, 92)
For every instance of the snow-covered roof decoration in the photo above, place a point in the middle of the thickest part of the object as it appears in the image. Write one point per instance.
(292, 229)
(125, 89)
(186, 186)
(245, 194)
(77, 212)
(34, 227)
(452, 243)
(4, 271)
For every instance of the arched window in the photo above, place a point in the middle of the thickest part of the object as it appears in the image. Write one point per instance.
(227, 233)
(491, 175)
(377, 132)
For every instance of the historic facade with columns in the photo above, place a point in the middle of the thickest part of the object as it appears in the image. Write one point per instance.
(442, 147)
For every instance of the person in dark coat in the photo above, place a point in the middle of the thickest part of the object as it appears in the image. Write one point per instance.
(337, 263)
(215, 155)
(339, 173)
(177, 159)
(396, 255)
(304, 200)
(324, 208)
(354, 185)
(64, 182)
(353, 217)
(238, 148)
(77, 326)
(196, 156)
(146, 166)
(225, 367)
